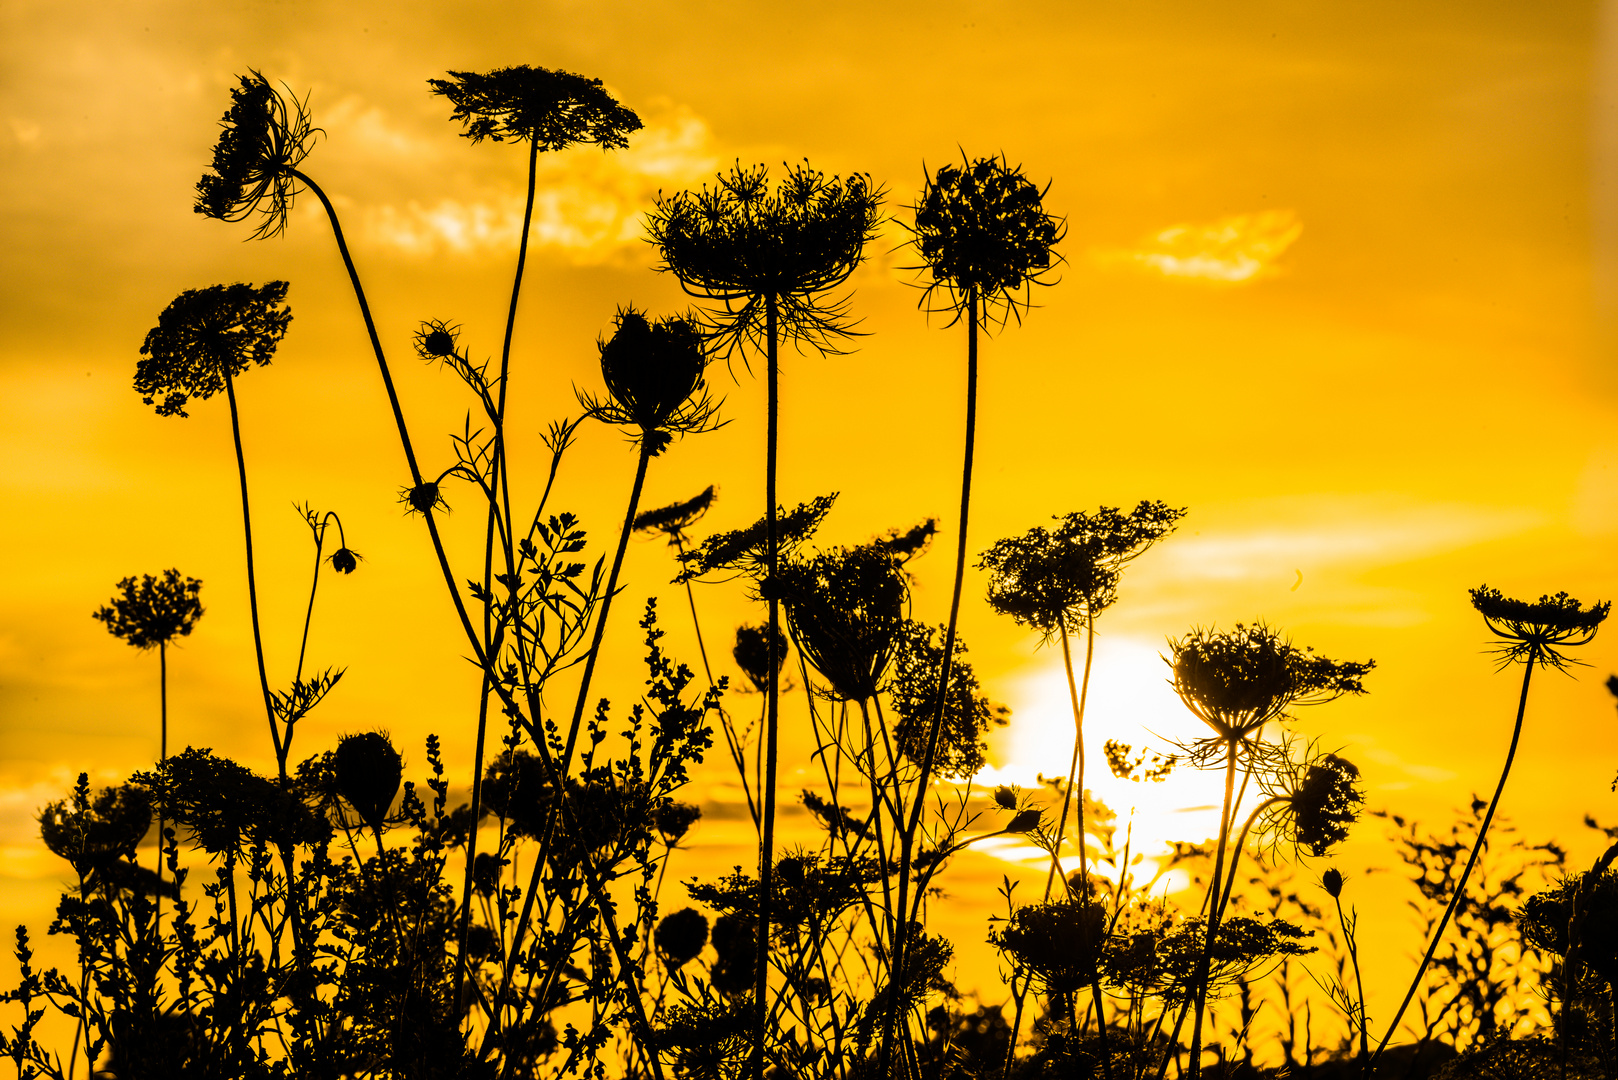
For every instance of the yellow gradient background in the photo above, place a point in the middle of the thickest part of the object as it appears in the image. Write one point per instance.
(1338, 278)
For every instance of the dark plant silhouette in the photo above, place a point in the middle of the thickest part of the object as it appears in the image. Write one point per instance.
(266, 136)
(1237, 682)
(766, 260)
(1529, 634)
(201, 342)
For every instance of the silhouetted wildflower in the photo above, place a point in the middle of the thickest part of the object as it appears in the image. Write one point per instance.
(1332, 882)
(422, 498)
(674, 519)
(552, 109)
(1240, 680)
(680, 937)
(226, 805)
(845, 609)
(265, 137)
(747, 550)
(674, 820)
(1535, 632)
(734, 939)
(516, 790)
(1005, 798)
(1583, 909)
(205, 335)
(742, 246)
(436, 340)
(1148, 765)
(1025, 820)
(91, 833)
(345, 560)
(153, 611)
(367, 771)
(653, 372)
(967, 715)
(1321, 799)
(1059, 943)
(983, 229)
(709, 1040)
(755, 657)
(1048, 578)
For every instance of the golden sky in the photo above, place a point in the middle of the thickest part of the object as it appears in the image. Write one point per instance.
(1334, 281)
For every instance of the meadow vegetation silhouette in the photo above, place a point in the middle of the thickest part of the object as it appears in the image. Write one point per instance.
(354, 914)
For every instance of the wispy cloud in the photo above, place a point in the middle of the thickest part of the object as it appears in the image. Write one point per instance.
(1232, 250)
(588, 204)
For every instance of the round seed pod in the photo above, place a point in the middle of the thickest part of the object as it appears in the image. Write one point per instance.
(368, 771)
(681, 936)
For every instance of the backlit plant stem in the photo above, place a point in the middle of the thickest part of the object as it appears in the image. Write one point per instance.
(766, 846)
(1460, 887)
(1205, 963)
(908, 833)
(252, 581)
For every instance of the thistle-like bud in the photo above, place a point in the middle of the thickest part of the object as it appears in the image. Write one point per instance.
(1025, 821)
(1332, 882)
(680, 937)
(368, 770)
(422, 498)
(1005, 798)
(734, 936)
(653, 372)
(345, 560)
(755, 657)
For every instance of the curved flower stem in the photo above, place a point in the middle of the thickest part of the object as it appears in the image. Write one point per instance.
(1241, 845)
(1460, 886)
(766, 844)
(252, 581)
(398, 415)
(908, 833)
(1205, 963)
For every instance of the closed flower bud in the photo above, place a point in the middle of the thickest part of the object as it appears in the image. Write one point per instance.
(1005, 798)
(755, 657)
(680, 937)
(1332, 882)
(368, 771)
(486, 873)
(345, 560)
(1025, 821)
(422, 498)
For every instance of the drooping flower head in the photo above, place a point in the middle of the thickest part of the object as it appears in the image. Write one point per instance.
(1059, 944)
(1240, 680)
(653, 372)
(207, 335)
(153, 611)
(967, 714)
(982, 230)
(1536, 632)
(755, 656)
(845, 609)
(1051, 578)
(552, 109)
(743, 246)
(675, 518)
(1318, 798)
(266, 135)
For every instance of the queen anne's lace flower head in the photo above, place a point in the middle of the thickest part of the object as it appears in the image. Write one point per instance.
(206, 336)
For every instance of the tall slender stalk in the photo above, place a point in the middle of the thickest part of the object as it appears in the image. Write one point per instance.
(1204, 964)
(252, 580)
(908, 832)
(766, 845)
(1471, 861)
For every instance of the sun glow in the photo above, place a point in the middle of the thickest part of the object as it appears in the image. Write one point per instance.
(1129, 700)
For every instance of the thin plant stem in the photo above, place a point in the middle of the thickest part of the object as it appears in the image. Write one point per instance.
(732, 743)
(1460, 886)
(1205, 963)
(907, 837)
(1359, 986)
(398, 415)
(163, 759)
(252, 580)
(772, 705)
